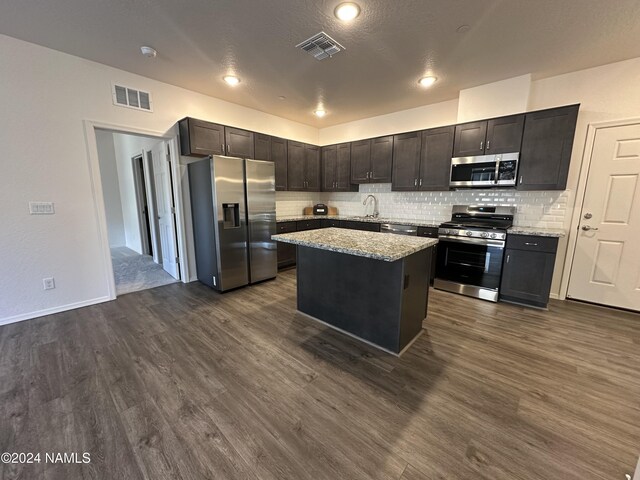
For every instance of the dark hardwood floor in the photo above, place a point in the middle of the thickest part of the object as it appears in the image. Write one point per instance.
(179, 382)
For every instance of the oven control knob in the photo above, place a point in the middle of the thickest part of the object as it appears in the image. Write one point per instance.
(484, 235)
(469, 233)
(493, 235)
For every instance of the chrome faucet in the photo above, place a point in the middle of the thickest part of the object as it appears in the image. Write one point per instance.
(375, 206)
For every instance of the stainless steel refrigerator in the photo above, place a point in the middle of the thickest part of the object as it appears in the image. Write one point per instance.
(233, 206)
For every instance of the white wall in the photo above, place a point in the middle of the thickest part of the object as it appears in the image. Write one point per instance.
(495, 99)
(127, 147)
(45, 97)
(110, 188)
(420, 118)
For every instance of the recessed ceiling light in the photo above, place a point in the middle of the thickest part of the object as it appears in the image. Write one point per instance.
(427, 81)
(148, 51)
(320, 113)
(231, 80)
(347, 11)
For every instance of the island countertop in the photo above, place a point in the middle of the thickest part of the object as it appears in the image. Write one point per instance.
(378, 246)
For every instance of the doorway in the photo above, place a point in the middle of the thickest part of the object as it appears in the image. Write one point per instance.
(606, 260)
(143, 200)
(140, 210)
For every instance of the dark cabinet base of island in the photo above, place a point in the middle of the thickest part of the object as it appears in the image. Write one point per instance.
(381, 303)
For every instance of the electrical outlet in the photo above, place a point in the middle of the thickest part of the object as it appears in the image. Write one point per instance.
(49, 283)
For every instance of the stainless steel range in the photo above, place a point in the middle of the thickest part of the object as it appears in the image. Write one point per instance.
(470, 250)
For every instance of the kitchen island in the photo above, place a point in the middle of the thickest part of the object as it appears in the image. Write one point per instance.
(373, 286)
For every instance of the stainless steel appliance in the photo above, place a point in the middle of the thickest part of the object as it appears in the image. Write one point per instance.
(484, 171)
(470, 250)
(399, 229)
(233, 206)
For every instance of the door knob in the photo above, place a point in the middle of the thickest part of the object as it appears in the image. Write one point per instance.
(587, 215)
(586, 228)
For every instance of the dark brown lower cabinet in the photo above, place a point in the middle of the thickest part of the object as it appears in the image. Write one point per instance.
(286, 251)
(330, 222)
(365, 226)
(431, 232)
(527, 270)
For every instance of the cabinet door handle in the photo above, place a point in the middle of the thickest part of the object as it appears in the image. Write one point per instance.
(531, 244)
(222, 147)
(481, 144)
(420, 182)
(520, 179)
(415, 182)
(508, 258)
(488, 144)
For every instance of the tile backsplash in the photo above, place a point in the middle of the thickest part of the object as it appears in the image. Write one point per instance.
(544, 209)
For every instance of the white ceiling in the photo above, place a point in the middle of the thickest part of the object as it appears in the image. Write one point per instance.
(388, 47)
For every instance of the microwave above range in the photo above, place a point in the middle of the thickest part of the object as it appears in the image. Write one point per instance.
(499, 170)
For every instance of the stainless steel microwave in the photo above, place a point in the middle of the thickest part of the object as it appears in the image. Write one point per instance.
(484, 171)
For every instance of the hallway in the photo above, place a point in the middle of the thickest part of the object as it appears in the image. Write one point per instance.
(134, 272)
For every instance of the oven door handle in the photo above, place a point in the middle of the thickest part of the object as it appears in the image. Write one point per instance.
(475, 241)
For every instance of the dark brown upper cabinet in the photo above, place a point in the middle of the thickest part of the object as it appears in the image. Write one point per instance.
(435, 158)
(262, 146)
(295, 166)
(303, 167)
(470, 139)
(486, 137)
(360, 161)
(406, 161)
(504, 134)
(381, 159)
(273, 149)
(329, 163)
(279, 158)
(239, 142)
(312, 167)
(336, 168)
(546, 148)
(199, 138)
(371, 160)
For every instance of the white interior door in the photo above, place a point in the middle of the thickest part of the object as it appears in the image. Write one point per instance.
(165, 208)
(606, 262)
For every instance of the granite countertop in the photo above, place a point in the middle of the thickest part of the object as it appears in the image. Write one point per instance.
(378, 246)
(398, 221)
(537, 231)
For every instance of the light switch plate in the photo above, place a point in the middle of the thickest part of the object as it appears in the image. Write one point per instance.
(41, 208)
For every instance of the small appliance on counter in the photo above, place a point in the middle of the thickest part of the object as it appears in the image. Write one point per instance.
(320, 209)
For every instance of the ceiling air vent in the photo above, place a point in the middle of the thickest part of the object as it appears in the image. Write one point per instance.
(132, 98)
(321, 46)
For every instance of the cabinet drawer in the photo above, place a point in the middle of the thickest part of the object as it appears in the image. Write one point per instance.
(532, 243)
(331, 223)
(286, 227)
(308, 224)
(365, 226)
(431, 232)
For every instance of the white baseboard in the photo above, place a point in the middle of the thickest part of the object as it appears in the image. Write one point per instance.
(50, 311)
(555, 296)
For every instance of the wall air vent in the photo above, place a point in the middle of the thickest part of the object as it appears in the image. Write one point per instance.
(131, 98)
(321, 46)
